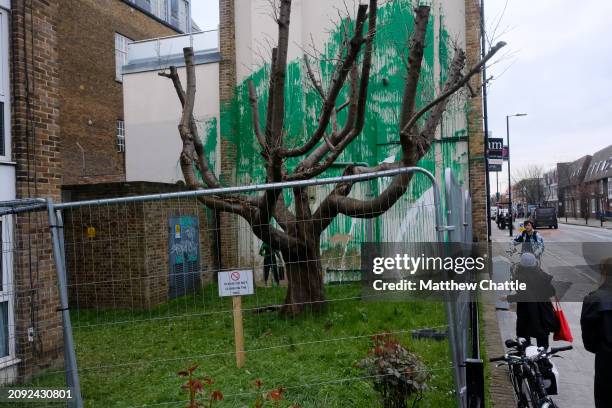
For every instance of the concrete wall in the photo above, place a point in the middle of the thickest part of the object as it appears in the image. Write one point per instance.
(152, 113)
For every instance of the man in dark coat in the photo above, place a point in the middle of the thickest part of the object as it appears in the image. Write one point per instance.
(270, 264)
(535, 316)
(596, 324)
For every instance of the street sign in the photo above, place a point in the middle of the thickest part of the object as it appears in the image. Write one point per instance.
(236, 283)
(495, 148)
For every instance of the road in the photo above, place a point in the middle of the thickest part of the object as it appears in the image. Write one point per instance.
(565, 249)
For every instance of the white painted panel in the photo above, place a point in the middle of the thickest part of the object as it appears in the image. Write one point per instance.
(152, 112)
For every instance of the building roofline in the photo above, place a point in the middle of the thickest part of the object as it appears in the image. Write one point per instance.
(151, 15)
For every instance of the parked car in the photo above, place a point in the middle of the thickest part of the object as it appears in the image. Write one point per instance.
(544, 217)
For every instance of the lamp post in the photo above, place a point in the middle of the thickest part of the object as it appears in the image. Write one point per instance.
(509, 182)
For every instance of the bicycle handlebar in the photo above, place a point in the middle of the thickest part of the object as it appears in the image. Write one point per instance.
(554, 350)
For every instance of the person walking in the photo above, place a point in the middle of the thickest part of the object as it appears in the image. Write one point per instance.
(596, 325)
(535, 316)
(269, 263)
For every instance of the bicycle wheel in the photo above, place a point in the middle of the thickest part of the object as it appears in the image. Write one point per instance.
(517, 379)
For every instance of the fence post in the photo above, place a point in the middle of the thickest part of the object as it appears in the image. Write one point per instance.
(72, 375)
(474, 369)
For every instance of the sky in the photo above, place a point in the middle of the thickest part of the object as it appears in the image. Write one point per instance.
(556, 68)
(205, 13)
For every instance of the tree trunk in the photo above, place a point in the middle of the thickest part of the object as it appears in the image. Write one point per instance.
(305, 290)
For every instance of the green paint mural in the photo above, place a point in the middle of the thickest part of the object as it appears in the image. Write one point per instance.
(376, 143)
(209, 134)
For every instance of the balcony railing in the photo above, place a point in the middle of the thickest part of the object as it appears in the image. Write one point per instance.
(159, 53)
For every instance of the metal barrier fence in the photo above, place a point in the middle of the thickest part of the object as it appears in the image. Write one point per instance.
(31, 329)
(138, 290)
(462, 309)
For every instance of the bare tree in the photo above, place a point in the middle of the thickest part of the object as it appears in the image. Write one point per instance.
(300, 228)
(529, 185)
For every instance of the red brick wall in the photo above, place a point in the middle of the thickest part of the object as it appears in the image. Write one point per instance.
(36, 149)
(126, 264)
(227, 87)
(477, 170)
(88, 89)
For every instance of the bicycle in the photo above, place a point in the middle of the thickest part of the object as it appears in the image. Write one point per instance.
(524, 367)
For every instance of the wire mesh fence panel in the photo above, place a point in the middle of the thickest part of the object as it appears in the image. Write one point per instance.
(458, 210)
(143, 279)
(31, 333)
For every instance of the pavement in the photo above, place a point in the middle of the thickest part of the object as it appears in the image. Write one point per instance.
(576, 368)
(592, 222)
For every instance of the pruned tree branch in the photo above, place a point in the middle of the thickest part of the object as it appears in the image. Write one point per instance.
(342, 70)
(455, 87)
(255, 118)
(208, 176)
(415, 59)
(309, 167)
(415, 147)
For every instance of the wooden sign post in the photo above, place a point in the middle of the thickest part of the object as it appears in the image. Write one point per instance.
(238, 332)
(237, 284)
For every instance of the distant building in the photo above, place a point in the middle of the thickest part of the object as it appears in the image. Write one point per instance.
(562, 172)
(571, 187)
(551, 189)
(598, 183)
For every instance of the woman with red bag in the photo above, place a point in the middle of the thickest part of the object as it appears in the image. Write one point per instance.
(535, 315)
(596, 324)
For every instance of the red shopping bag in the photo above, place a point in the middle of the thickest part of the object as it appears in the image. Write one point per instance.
(564, 333)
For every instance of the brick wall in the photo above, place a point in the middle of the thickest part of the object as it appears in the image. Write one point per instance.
(36, 147)
(227, 87)
(477, 170)
(91, 98)
(125, 265)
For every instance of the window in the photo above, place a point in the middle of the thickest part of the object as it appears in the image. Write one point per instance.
(144, 4)
(174, 8)
(121, 50)
(120, 136)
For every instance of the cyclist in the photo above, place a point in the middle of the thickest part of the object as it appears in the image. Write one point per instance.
(530, 239)
(596, 324)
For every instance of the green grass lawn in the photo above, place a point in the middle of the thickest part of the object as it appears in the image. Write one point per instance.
(131, 358)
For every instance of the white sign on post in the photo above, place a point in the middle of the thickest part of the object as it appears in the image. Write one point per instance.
(236, 283)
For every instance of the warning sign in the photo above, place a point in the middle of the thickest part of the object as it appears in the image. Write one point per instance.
(236, 283)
